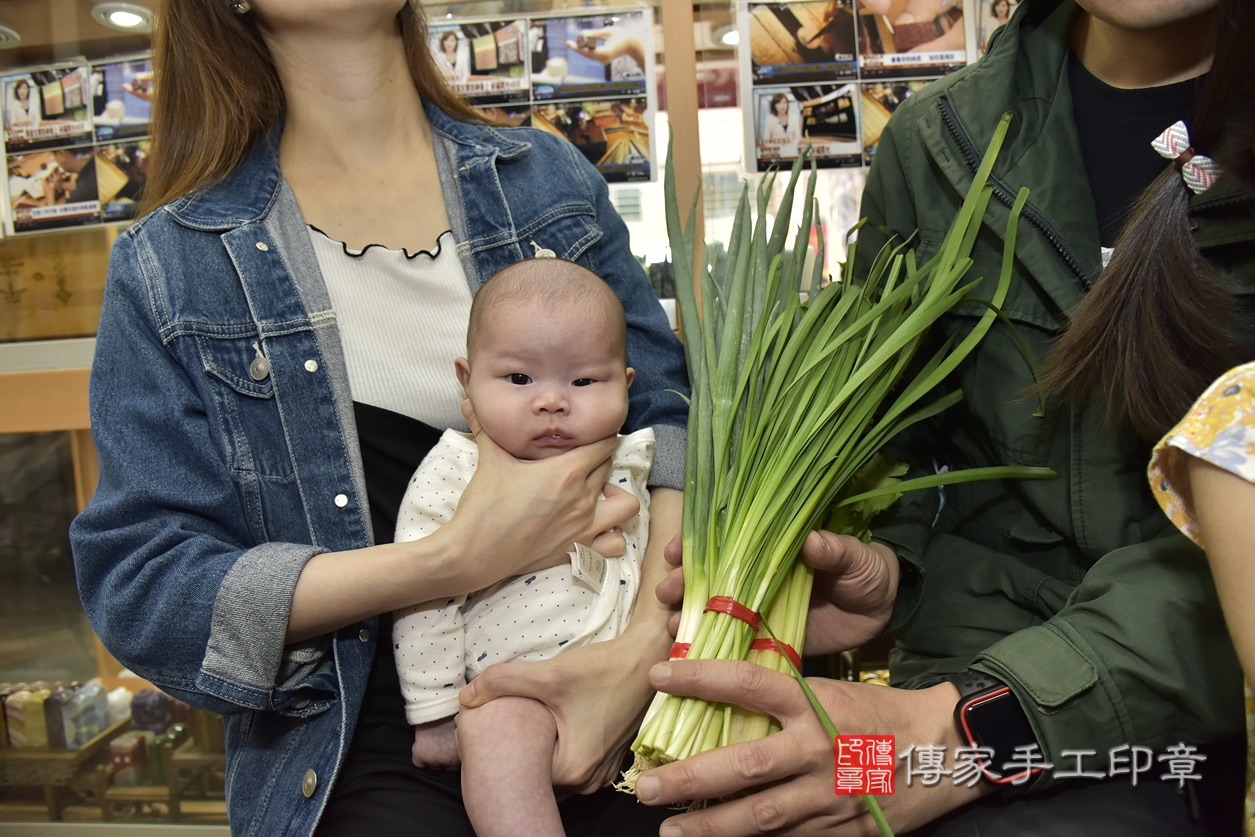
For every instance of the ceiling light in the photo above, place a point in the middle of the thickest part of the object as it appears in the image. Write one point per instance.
(9, 38)
(125, 16)
(727, 35)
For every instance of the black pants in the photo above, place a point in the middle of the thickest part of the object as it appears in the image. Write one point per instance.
(429, 802)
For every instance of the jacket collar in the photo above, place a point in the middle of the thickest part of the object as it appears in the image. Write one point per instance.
(1025, 71)
(249, 191)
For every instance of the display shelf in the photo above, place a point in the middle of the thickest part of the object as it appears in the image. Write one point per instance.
(59, 773)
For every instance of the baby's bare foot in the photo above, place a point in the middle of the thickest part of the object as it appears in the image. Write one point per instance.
(434, 747)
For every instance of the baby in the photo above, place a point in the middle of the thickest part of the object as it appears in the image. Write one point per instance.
(546, 371)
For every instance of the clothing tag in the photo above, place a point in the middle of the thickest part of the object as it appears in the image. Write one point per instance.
(588, 567)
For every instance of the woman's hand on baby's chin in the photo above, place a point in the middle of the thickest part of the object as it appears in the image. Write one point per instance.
(516, 517)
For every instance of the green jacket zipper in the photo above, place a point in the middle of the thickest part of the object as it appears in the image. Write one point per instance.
(972, 155)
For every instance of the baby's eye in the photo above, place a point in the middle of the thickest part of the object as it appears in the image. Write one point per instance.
(582, 382)
(518, 378)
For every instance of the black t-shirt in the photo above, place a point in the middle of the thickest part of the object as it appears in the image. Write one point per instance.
(1115, 127)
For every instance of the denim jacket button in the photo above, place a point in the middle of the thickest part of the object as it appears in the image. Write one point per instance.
(363, 635)
(261, 245)
(309, 784)
(301, 704)
(259, 369)
(311, 366)
(342, 500)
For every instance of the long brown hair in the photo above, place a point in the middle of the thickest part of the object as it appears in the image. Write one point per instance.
(217, 91)
(1160, 324)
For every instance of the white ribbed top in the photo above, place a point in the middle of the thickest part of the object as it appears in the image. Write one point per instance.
(402, 321)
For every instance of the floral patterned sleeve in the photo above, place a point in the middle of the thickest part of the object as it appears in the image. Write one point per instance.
(1220, 429)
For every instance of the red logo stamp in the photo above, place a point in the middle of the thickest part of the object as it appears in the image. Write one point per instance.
(865, 765)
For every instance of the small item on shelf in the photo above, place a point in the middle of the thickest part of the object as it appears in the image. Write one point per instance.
(207, 732)
(150, 710)
(180, 712)
(54, 714)
(35, 717)
(160, 748)
(129, 754)
(15, 715)
(119, 703)
(6, 689)
(86, 715)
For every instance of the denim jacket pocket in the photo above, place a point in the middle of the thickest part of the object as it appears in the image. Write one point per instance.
(568, 232)
(244, 415)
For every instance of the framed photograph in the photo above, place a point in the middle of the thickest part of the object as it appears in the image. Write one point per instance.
(823, 116)
(800, 42)
(121, 173)
(122, 97)
(486, 62)
(47, 108)
(613, 134)
(900, 39)
(51, 189)
(990, 15)
(879, 99)
(592, 56)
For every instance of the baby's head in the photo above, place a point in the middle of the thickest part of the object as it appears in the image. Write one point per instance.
(546, 358)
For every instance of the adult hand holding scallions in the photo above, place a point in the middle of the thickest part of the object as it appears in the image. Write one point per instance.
(797, 389)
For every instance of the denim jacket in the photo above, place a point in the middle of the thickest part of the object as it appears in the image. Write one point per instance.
(229, 457)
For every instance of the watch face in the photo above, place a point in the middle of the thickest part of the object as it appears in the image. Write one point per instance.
(997, 721)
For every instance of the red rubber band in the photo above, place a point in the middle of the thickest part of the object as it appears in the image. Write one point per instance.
(780, 648)
(679, 650)
(730, 606)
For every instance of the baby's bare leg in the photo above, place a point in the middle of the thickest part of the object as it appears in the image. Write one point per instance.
(507, 753)
(434, 746)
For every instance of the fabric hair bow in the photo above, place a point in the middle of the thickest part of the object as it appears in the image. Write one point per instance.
(1198, 171)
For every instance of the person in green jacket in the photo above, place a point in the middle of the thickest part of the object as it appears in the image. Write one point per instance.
(1070, 627)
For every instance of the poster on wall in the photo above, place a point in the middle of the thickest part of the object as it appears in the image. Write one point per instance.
(484, 61)
(612, 134)
(878, 102)
(76, 143)
(46, 108)
(800, 42)
(831, 72)
(121, 173)
(926, 37)
(823, 116)
(591, 56)
(53, 189)
(588, 78)
(991, 14)
(122, 98)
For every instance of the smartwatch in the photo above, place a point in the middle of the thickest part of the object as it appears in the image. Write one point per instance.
(993, 725)
(991, 720)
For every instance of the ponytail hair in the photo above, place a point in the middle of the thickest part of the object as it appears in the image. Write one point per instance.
(1160, 325)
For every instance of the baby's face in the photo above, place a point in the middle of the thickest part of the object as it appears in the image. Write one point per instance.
(545, 380)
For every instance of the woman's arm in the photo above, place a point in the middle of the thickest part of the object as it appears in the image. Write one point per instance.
(514, 517)
(1224, 505)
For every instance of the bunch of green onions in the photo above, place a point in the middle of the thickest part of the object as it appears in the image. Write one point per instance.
(796, 390)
